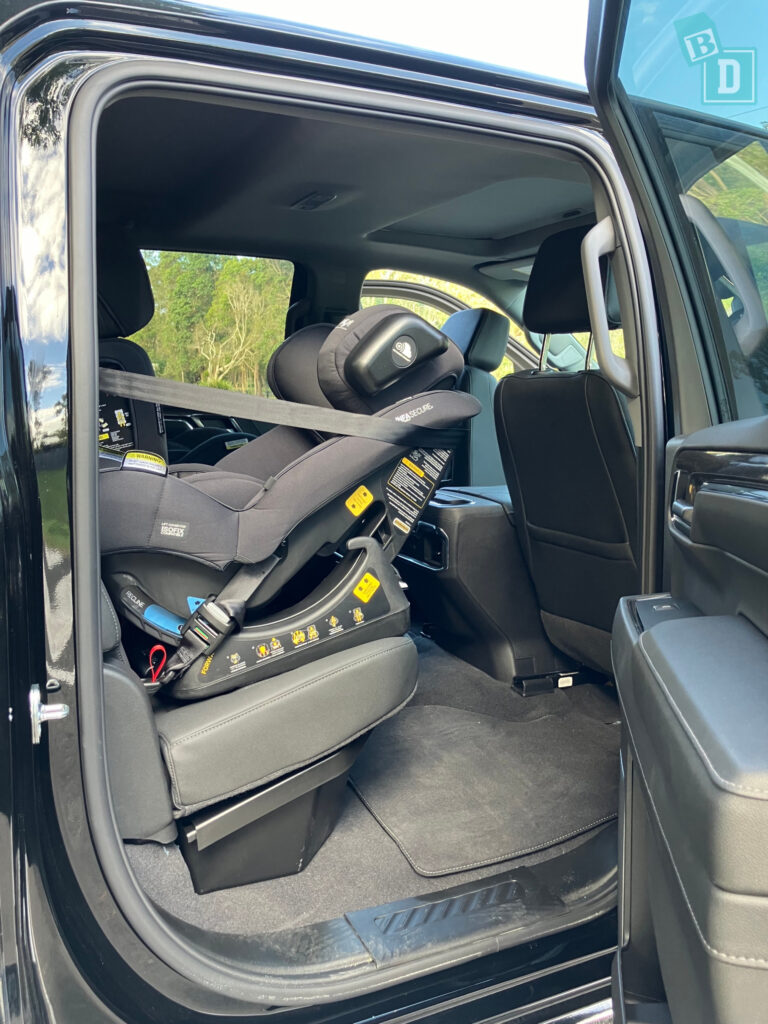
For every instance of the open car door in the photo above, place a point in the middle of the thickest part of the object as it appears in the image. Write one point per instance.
(682, 92)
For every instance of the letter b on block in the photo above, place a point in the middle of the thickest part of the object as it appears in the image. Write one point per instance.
(700, 45)
(698, 38)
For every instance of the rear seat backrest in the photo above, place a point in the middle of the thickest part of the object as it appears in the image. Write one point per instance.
(482, 336)
(125, 305)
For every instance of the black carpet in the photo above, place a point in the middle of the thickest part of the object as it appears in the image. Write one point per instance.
(457, 790)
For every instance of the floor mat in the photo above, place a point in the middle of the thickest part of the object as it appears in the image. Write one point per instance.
(457, 790)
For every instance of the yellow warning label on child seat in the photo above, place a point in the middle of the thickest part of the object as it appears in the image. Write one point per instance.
(413, 467)
(359, 501)
(147, 461)
(366, 588)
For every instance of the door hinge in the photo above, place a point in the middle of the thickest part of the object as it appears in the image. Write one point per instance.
(40, 713)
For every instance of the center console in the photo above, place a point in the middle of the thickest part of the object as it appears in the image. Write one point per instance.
(469, 583)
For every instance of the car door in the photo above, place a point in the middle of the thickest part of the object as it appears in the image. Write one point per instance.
(682, 93)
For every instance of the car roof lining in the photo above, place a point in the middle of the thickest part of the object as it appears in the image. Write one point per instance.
(206, 175)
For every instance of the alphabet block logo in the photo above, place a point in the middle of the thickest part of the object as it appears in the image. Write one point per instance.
(730, 77)
(698, 38)
(727, 75)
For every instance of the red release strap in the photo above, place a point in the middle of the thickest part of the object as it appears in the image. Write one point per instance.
(157, 669)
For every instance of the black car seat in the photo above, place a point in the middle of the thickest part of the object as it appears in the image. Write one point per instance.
(214, 561)
(481, 335)
(125, 305)
(571, 466)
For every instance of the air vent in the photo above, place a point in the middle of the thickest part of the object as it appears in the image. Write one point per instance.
(314, 200)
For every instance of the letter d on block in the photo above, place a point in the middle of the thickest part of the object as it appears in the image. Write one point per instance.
(729, 80)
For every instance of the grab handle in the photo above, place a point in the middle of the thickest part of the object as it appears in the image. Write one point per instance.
(600, 241)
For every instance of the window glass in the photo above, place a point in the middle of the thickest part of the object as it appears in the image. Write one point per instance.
(736, 193)
(617, 342)
(698, 86)
(217, 318)
(728, 206)
(433, 313)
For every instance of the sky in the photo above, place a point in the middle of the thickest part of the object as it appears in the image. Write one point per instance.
(545, 37)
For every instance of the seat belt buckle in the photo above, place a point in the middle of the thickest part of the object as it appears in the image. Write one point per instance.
(207, 628)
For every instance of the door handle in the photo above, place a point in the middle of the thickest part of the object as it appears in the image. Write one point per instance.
(682, 510)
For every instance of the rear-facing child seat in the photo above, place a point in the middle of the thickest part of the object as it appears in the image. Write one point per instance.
(282, 552)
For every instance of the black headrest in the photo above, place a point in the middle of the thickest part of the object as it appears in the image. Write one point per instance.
(124, 292)
(556, 299)
(292, 368)
(481, 335)
(381, 354)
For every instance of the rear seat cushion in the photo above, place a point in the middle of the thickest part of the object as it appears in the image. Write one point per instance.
(227, 745)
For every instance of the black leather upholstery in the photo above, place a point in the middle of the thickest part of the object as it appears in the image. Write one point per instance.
(148, 423)
(571, 465)
(482, 336)
(556, 299)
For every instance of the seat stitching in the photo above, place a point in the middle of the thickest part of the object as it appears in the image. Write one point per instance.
(114, 617)
(175, 787)
(605, 464)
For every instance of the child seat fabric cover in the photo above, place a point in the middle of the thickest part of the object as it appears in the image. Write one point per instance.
(218, 517)
(242, 509)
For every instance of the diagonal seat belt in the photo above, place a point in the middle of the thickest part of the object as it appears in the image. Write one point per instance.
(399, 431)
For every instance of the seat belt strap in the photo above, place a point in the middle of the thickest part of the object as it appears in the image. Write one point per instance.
(273, 410)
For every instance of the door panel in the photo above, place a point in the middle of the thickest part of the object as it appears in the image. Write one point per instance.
(692, 675)
(690, 696)
(682, 95)
(718, 520)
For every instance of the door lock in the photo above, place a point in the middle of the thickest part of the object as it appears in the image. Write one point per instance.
(40, 713)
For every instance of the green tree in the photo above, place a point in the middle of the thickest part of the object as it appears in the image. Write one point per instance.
(217, 318)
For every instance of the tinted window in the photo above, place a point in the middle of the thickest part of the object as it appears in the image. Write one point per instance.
(217, 318)
(698, 83)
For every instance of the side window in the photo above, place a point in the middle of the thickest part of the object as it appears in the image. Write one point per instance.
(217, 318)
(729, 209)
(696, 82)
(434, 300)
